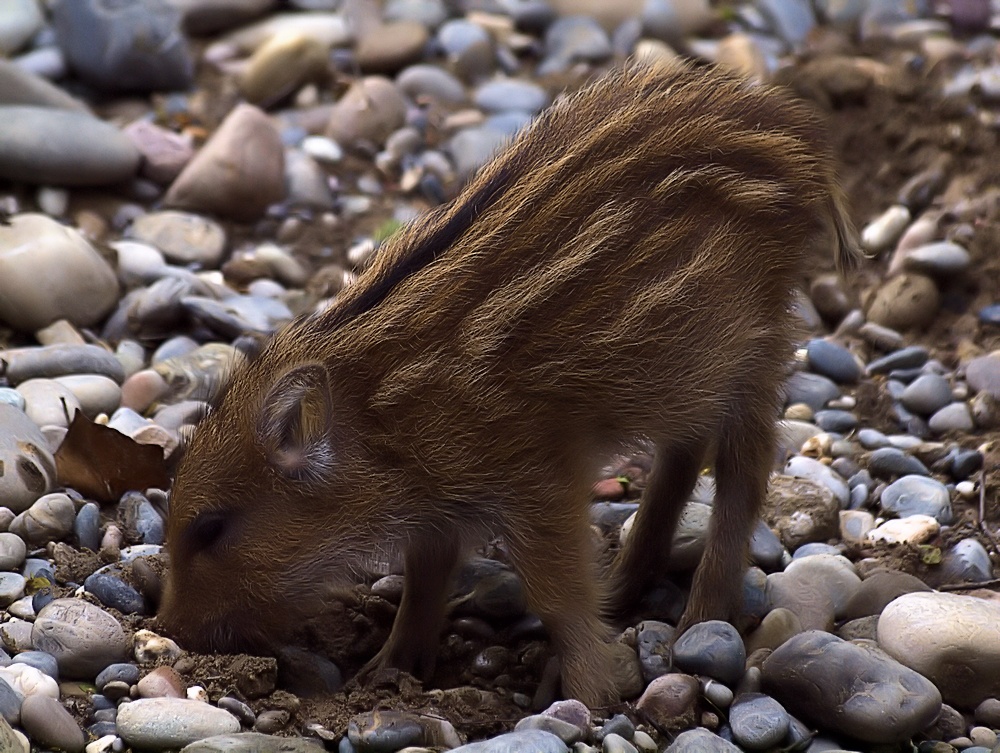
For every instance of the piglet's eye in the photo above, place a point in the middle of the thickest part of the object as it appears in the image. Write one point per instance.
(206, 530)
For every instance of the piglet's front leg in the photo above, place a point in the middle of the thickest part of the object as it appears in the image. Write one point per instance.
(412, 645)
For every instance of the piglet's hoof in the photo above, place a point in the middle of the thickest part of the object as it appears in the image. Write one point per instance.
(627, 671)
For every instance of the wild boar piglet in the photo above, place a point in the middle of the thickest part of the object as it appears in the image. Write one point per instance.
(624, 270)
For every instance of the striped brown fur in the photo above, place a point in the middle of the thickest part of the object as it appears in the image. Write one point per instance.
(623, 270)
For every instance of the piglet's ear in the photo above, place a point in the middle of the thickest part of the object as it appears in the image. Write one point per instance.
(295, 422)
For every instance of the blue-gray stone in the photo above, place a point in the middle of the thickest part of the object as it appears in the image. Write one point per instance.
(113, 592)
(872, 439)
(10, 703)
(40, 660)
(756, 602)
(504, 95)
(766, 549)
(619, 724)
(861, 478)
(10, 396)
(833, 361)
(240, 710)
(87, 527)
(507, 123)
(99, 702)
(610, 515)
(101, 729)
(926, 394)
(810, 468)
(812, 389)
(792, 20)
(700, 740)
(815, 547)
(990, 315)
(574, 39)
(568, 733)
(256, 742)
(140, 516)
(890, 461)
(966, 562)
(526, 741)
(918, 495)
(758, 721)
(859, 497)
(965, 463)
(653, 643)
(384, 731)
(458, 35)
(128, 45)
(118, 672)
(941, 259)
(952, 417)
(713, 649)
(837, 421)
(912, 356)
(615, 743)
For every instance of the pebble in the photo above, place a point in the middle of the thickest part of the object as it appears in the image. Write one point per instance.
(568, 733)
(914, 529)
(96, 394)
(885, 230)
(50, 518)
(503, 95)
(10, 702)
(20, 20)
(833, 361)
(849, 688)
(758, 721)
(12, 551)
(837, 421)
(813, 607)
(918, 495)
(713, 648)
(27, 680)
(50, 725)
(983, 374)
(669, 701)
(119, 672)
(50, 146)
(280, 66)
(23, 450)
(388, 47)
(700, 740)
(164, 153)
(908, 301)
(254, 742)
(778, 626)
(815, 471)
(238, 173)
(833, 574)
(812, 389)
(800, 510)
(11, 588)
(370, 110)
(887, 462)
(182, 237)
(80, 286)
(619, 724)
(910, 357)
(574, 39)
(84, 638)
(953, 640)
(473, 147)
(53, 361)
(927, 394)
(109, 588)
(161, 723)
(952, 417)
(161, 682)
(525, 741)
(129, 46)
(943, 259)
(878, 589)
(430, 82)
(966, 562)
(653, 643)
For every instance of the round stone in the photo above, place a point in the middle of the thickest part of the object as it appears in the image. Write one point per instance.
(849, 688)
(369, 112)
(927, 394)
(50, 725)
(954, 640)
(833, 361)
(388, 47)
(918, 495)
(966, 562)
(130, 45)
(887, 462)
(84, 638)
(817, 472)
(983, 374)
(51, 146)
(669, 701)
(758, 721)
(50, 518)
(11, 588)
(714, 649)
(95, 393)
(814, 390)
(502, 95)
(430, 82)
(908, 301)
(280, 66)
(942, 259)
(60, 361)
(12, 551)
(80, 286)
(952, 417)
(160, 723)
(878, 589)
(910, 357)
(29, 468)
(28, 680)
(700, 740)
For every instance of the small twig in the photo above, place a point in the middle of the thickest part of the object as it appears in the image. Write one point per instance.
(982, 514)
(969, 586)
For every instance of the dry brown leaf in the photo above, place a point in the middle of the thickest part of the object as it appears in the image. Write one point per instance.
(102, 463)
